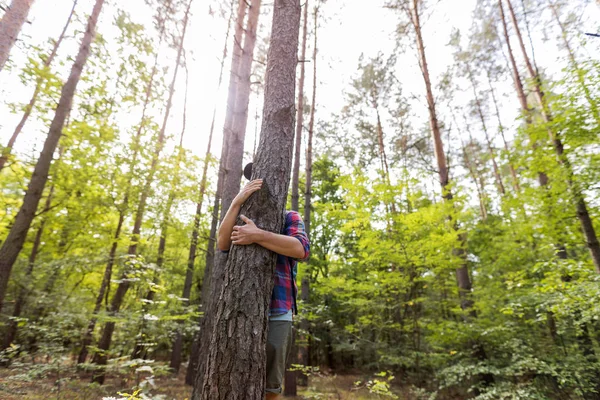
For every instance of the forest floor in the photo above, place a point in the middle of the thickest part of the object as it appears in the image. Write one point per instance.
(27, 385)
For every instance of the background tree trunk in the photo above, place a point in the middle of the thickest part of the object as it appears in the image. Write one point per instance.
(38, 87)
(235, 367)
(16, 237)
(10, 25)
(300, 116)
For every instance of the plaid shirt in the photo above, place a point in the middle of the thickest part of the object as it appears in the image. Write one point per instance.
(283, 298)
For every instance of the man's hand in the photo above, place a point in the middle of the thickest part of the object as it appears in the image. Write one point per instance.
(247, 190)
(246, 234)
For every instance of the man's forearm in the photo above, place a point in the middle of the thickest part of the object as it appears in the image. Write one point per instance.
(224, 236)
(285, 245)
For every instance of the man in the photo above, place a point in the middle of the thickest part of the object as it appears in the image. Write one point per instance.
(291, 245)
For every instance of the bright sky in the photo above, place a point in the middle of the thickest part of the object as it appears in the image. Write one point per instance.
(348, 29)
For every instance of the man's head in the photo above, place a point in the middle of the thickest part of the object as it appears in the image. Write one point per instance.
(248, 171)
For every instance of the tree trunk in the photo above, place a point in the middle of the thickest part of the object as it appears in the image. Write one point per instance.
(513, 172)
(101, 357)
(235, 365)
(582, 212)
(10, 25)
(479, 108)
(16, 237)
(11, 332)
(233, 169)
(304, 338)
(38, 87)
(580, 75)
(300, 116)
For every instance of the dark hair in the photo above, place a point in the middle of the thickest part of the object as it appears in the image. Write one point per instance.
(248, 171)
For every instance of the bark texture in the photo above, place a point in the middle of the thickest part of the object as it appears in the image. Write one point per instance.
(10, 25)
(16, 237)
(38, 87)
(235, 365)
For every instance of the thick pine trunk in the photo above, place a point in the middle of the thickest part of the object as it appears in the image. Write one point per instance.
(16, 237)
(38, 87)
(583, 215)
(101, 357)
(235, 365)
(10, 26)
(300, 115)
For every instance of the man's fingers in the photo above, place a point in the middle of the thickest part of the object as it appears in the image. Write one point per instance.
(246, 219)
(236, 228)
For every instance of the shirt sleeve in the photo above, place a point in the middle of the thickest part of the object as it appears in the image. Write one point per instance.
(294, 226)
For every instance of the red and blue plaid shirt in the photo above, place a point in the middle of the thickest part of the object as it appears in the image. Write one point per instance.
(283, 298)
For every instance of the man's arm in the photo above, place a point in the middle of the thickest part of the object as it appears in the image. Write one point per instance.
(285, 245)
(227, 225)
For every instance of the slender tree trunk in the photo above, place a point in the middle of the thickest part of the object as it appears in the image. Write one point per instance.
(38, 87)
(479, 108)
(235, 366)
(11, 332)
(513, 172)
(10, 25)
(580, 204)
(304, 338)
(101, 357)
(16, 237)
(580, 74)
(299, 118)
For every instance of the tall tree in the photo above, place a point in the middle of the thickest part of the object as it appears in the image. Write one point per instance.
(16, 237)
(235, 366)
(101, 357)
(38, 87)
(303, 349)
(300, 116)
(583, 214)
(10, 25)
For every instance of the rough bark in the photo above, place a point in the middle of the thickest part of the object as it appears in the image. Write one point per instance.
(101, 357)
(235, 365)
(583, 215)
(300, 115)
(10, 25)
(38, 87)
(16, 237)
